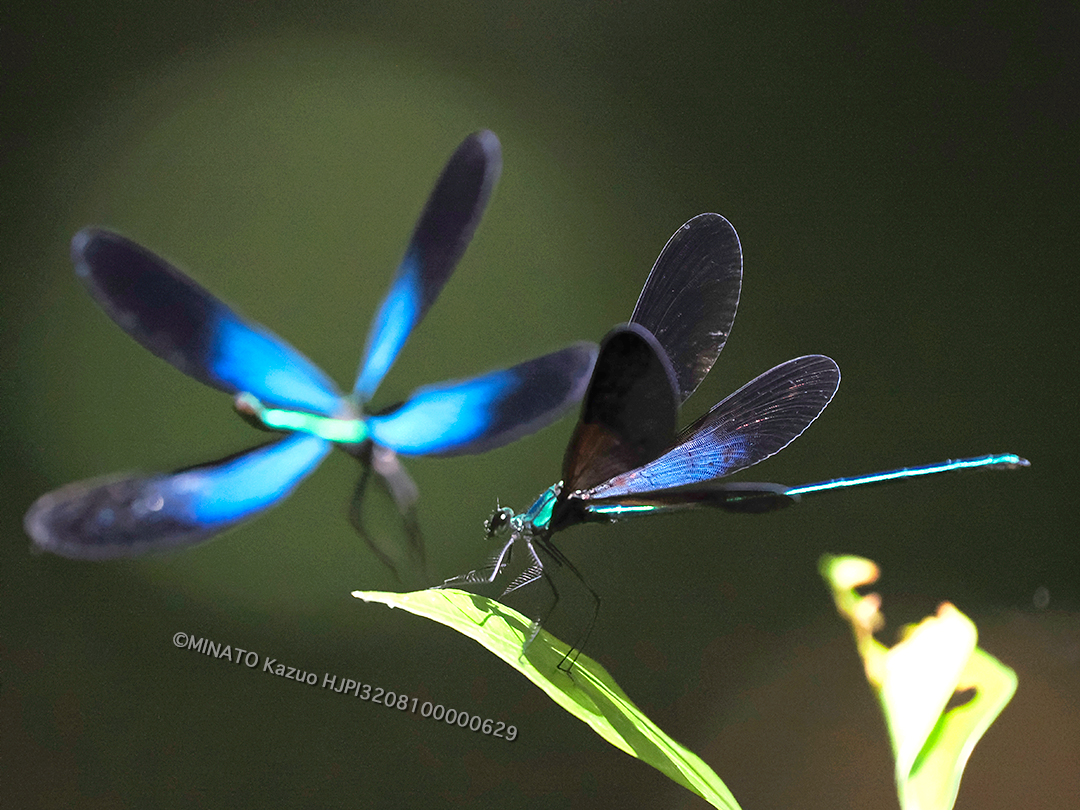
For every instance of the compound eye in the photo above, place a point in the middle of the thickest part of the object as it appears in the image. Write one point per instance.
(498, 521)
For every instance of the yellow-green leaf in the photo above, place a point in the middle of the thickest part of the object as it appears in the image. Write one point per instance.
(914, 681)
(587, 691)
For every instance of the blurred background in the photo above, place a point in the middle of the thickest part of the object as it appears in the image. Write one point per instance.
(904, 184)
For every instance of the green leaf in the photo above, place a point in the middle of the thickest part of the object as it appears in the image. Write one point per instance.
(587, 691)
(915, 680)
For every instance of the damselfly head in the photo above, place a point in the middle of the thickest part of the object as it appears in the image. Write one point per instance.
(499, 520)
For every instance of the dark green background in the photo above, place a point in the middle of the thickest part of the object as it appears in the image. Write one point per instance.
(904, 183)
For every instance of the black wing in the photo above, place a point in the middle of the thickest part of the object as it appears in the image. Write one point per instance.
(629, 412)
(690, 297)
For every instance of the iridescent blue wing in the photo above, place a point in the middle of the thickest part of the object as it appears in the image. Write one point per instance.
(185, 325)
(629, 412)
(128, 517)
(691, 295)
(479, 414)
(758, 420)
(443, 232)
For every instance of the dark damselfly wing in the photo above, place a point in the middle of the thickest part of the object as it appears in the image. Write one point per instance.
(755, 422)
(629, 412)
(689, 300)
